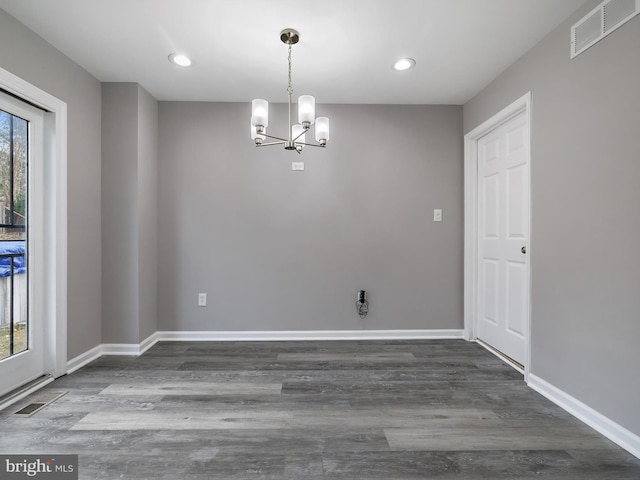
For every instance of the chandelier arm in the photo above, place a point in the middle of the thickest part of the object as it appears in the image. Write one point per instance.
(312, 145)
(274, 137)
(268, 144)
(299, 135)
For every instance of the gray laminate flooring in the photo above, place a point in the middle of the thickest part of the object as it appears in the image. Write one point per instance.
(312, 410)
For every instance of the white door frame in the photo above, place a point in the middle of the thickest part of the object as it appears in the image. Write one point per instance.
(55, 218)
(523, 104)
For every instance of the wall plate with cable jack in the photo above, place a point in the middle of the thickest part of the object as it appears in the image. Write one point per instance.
(362, 296)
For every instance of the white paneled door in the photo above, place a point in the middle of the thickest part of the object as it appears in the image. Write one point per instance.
(503, 238)
(21, 244)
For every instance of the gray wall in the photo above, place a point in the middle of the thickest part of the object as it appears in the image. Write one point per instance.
(585, 223)
(148, 212)
(28, 56)
(282, 250)
(129, 213)
(120, 292)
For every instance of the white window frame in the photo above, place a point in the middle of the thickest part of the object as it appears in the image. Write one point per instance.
(54, 300)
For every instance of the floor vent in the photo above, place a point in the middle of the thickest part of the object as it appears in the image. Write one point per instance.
(38, 403)
(600, 22)
(24, 391)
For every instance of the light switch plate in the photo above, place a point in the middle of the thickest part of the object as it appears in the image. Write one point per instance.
(437, 214)
(298, 166)
(202, 299)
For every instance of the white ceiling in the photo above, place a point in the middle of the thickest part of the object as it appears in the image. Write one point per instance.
(344, 56)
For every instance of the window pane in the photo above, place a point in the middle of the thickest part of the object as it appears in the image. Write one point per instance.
(5, 169)
(20, 146)
(5, 318)
(20, 331)
(14, 331)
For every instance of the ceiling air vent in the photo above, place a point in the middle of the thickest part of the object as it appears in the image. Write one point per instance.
(600, 22)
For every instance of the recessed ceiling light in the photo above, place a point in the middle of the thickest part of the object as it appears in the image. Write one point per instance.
(180, 60)
(404, 64)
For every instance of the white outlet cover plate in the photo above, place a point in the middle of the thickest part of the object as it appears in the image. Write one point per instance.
(297, 166)
(202, 299)
(437, 215)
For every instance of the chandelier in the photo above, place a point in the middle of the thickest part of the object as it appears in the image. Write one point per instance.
(296, 138)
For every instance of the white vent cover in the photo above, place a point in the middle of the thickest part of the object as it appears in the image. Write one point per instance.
(600, 22)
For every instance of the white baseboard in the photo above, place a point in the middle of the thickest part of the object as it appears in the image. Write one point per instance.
(132, 349)
(607, 427)
(149, 342)
(248, 336)
(84, 359)
(229, 336)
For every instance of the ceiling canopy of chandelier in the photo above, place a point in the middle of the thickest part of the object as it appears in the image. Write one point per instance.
(296, 138)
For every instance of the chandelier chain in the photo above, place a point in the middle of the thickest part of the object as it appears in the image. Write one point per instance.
(289, 88)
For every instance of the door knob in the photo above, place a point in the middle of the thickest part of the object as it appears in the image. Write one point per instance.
(523, 249)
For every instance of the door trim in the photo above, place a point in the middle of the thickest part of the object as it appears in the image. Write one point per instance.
(523, 104)
(55, 218)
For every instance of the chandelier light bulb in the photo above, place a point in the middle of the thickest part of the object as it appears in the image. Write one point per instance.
(260, 113)
(298, 134)
(322, 130)
(306, 110)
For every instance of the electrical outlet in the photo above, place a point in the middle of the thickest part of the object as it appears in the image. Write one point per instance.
(437, 214)
(202, 299)
(298, 166)
(362, 296)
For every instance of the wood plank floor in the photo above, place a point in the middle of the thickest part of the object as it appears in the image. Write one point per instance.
(312, 410)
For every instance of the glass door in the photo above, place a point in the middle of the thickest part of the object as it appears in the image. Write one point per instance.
(21, 335)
